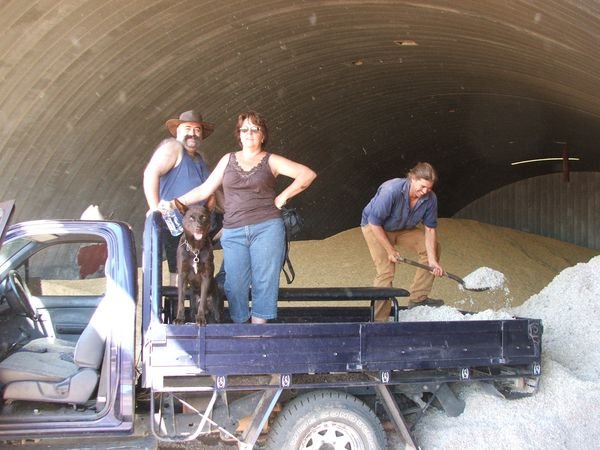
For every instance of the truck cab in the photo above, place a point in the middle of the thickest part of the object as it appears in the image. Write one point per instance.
(68, 292)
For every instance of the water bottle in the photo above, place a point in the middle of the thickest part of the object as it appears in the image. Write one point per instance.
(172, 221)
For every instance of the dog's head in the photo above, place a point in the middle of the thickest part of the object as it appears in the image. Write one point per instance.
(211, 204)
(196, 222)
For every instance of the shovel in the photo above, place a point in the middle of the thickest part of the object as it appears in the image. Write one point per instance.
(456, 278)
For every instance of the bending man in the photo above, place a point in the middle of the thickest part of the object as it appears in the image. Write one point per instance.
(391, 219)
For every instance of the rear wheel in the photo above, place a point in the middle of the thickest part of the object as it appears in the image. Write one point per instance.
(326, 420)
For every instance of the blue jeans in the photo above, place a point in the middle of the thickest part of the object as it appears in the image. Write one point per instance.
(253, 256)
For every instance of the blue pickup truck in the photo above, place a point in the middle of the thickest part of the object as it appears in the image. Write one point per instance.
(88, 359)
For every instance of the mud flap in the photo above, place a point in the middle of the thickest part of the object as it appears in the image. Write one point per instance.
(453, 406)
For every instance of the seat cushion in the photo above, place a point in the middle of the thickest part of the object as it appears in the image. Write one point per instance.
(74, 390)
(45, 344)
(56, 370)
(27, 365)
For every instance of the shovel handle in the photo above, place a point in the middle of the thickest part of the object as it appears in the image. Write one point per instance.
(456, 278)
(429, 268)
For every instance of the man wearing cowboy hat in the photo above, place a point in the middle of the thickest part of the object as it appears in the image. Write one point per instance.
(175, 168)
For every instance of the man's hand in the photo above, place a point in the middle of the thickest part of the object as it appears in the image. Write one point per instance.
(393, 255)
(164, 206)
(437, 270)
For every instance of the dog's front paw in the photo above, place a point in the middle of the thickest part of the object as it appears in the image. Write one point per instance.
(179, 320)
(201, 320)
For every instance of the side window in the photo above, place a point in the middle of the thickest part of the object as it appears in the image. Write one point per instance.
(67, 269)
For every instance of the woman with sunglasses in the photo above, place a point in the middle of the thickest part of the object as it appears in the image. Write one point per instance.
(253, 238)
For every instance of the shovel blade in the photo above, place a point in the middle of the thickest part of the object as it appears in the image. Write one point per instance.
(456, 278)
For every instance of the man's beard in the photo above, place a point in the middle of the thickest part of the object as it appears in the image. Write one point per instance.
(195, 141)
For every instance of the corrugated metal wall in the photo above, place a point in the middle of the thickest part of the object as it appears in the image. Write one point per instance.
(545, 205)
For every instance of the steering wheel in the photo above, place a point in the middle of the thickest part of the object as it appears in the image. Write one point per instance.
(22, 294)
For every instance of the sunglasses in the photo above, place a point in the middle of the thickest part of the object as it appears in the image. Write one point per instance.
(253, 129)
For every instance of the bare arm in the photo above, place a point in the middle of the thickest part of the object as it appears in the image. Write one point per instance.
(303, 177)
(431, 247)
(206, 189)
(382, 238)
(165, 157)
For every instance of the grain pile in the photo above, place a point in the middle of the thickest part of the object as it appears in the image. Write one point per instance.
(559, 415)
(527, 261)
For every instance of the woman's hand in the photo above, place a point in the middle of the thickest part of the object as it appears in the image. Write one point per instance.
(280, 201)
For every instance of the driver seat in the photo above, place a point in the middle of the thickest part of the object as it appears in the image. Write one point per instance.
(59, 377)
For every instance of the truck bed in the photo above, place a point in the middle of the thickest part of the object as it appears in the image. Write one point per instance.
(232, 349)
(347, 342)
(255, 366)
(324, 338)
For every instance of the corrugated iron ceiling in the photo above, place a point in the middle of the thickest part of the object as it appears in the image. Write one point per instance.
(86, 86)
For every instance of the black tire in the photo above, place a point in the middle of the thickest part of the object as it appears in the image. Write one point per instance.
(326, 420)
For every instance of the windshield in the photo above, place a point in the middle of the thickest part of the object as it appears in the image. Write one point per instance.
(11, 248)
(6, 210)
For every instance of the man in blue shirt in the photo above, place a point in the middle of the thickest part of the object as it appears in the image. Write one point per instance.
(391, 219)
(175, 168)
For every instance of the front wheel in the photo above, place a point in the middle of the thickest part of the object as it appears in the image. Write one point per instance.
(326, 420)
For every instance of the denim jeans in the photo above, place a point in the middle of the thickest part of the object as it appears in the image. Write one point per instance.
(253, 256)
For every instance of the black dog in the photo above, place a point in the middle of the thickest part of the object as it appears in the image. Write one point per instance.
(195, 267)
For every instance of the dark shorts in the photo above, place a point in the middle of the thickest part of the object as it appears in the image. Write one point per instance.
(170, 244)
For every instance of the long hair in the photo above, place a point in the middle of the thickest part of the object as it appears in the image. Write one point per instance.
(423, 171)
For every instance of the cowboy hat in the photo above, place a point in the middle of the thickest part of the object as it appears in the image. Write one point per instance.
(190, 116)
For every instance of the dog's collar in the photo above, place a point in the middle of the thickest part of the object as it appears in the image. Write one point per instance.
(190, 249)
(194, 252)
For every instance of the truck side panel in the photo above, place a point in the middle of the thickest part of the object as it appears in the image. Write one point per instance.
(318, 348)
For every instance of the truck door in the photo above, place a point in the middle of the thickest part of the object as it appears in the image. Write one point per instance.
(67, 329)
